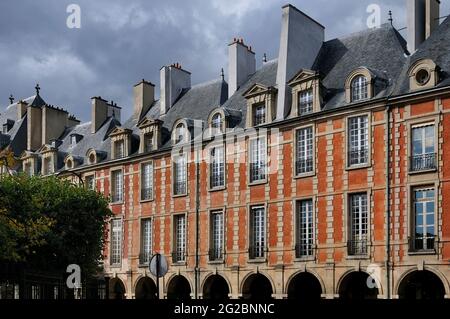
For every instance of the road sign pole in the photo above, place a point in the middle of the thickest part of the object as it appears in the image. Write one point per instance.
(157, 275)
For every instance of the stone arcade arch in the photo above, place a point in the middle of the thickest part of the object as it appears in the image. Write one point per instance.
(215, 288)
(422, 284)
(257, 287)
(179, 288)
(116, 289)
(304, 286)
(354, 286)
(145, 288)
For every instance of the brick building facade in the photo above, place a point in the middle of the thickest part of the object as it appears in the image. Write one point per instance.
(296, 180)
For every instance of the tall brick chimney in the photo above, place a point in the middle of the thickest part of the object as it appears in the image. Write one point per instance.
(173, 79)
(422, 20)
(144, 96)
(241, 64)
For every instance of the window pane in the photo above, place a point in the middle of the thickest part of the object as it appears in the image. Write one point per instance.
(305, 228)
(358, 220)
(146, 181)
(257, 159)
(179, 175)
(304, 148)
(146, 240)
(217, 167)
(358, 140)
(305, 100)
(258, 232)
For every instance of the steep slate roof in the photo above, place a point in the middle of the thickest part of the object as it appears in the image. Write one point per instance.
(436, 48)
(382, 51)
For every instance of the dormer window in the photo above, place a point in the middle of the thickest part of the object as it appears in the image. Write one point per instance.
(5, 128)
(119, 149)
(48, 167)
(217, 123)
(259, 114)
(180, 133)
(423, 74)
(92, 158)
(305, 102)
(148, 142)
(73, 140)
(69, 164)
(359, 88)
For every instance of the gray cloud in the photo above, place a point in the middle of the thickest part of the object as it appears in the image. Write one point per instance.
(121, 42)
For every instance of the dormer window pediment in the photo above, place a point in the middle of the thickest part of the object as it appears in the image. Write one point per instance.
(150, 135)
(306, 92)
(261, 101)
(120, 142)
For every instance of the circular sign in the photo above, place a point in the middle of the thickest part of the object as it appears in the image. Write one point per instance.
(158, 265)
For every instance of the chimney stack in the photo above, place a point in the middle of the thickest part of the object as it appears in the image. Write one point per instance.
(300, 42)
(21, 109)
(144, 96)
(173, 79)
(422, 20)
(241, 64)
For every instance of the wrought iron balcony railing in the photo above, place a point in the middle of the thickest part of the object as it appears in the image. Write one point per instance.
(357, 247)
(422, 243)
(178, 255)
(215, 254)
(423, 162)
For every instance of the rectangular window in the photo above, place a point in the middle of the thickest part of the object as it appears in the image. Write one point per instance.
(117, 186)
(116, 241)
(423, 150)
(148, 142)
(358, 141)
(305, 229)
(424, 226)
(179, 253)
(119, 149)
(257, 232)
(146, 240)
(305, 102)
(179, 175)
(35, 292)
(259, 114)
(304, 148)
(358, 218)
(90, 182)
(217, 167)
(216, 246)
(257, 159)
(146, 181)
(28, 169)
(48, 166)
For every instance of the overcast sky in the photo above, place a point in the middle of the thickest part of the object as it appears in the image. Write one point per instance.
(121, 42)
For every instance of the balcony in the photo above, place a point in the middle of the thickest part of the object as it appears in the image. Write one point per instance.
(215, 254)
(304, 166)
(144, 258)
(146, 193)
(178, 256)
(256, 252)
(357, 247)
(423, 244)
(304, 251)
(423, 162)
(358, 157)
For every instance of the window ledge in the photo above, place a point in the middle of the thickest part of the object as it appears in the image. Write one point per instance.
(116, 266)
(144, 265)
(303, 259)
(216, 189)
(216, 262)
(359, 166)
(422, 252)
(179, 263)
(117, 203)
(146, 200)
(179, 195)
(258, 182)
(257, 260)
(304, 175)
(424, 171)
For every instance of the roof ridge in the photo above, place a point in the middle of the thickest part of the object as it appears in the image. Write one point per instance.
(383, 26)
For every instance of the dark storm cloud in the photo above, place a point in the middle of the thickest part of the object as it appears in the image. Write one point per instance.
(121, 42)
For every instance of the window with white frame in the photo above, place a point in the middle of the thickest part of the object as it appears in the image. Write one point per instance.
(146, 240)
(257, 232)
(359, 88)
(217, 235)
(259, 114)
(117, 186)
(424, 225)
(90, 182)
(119, 149)
(304, 229)
(179, 175)
(305, 102)
(358, 217)
(423, 155)
(217, 123)
(180, 133)
(147, 181)
(217, 167)
(358, 140)
(304, 151)
(258, 158)
(116, 241)
(179, 253)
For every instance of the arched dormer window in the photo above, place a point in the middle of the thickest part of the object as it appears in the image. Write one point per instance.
(179, 133)
(423, 74)
(217, 123)
(359, 86)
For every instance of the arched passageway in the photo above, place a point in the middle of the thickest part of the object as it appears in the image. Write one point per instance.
(116, 289)
(304, 286)
(423, 285)
(257, 287)
(356, 286)
(215, 288)
(179, 288)
(145, 289)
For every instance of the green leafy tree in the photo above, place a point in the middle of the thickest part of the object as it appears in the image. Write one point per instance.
(49, 223)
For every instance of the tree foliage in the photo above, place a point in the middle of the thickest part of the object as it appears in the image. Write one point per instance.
(49, 223)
